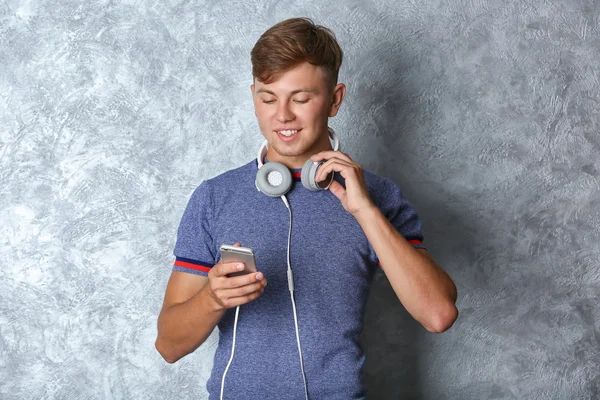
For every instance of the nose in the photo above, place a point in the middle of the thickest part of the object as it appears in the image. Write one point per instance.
(284, 114)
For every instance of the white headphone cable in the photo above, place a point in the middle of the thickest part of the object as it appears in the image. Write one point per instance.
(237, 311)
(291, 287)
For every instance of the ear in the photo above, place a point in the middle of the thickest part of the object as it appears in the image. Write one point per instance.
(253, 102)
(339, 91)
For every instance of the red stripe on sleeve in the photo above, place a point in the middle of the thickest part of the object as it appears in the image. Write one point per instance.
(192, 266)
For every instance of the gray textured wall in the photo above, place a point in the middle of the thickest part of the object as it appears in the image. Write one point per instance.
(485, 112)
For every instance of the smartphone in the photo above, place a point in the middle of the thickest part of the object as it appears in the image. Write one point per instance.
(239, 254)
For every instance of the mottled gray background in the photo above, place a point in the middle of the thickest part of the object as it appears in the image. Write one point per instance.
(485, 112)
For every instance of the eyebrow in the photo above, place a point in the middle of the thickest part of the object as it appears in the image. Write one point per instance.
(262, 90)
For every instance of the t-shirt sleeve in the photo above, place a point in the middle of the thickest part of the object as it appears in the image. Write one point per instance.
(401, 214)
(194, 246)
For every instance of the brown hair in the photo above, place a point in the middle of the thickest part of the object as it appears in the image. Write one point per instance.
(291, 42)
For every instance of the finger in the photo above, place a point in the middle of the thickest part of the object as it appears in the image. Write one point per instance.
(241, 291)
(337, 189)
(238, 301)
(243, 280)
(328, 154)
(224, 269)
(332, 165)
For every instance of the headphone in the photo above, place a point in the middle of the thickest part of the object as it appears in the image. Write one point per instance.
(275, 179)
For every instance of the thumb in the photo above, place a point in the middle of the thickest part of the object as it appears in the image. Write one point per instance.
(238, 244)
(337, 190)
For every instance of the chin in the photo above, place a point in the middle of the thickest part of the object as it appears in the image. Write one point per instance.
(289, 152)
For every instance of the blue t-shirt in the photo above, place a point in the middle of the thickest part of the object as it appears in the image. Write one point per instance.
(333, 264)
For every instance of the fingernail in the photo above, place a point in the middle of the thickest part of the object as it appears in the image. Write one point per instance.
(240, 267)
(264, 282)
(259, 276)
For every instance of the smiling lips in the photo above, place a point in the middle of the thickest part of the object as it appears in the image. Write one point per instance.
(288, 132)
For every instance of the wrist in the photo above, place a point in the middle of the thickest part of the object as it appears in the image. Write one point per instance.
(208, 297)
(367, 213)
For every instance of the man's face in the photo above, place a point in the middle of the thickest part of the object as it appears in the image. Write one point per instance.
(293, 112)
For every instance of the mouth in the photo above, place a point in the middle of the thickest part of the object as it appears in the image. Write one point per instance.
(288, 134)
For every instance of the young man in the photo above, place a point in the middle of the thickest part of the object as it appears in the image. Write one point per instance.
(339, 238)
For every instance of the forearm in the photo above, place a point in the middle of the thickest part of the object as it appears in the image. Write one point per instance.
(182, 328)
(424, 289)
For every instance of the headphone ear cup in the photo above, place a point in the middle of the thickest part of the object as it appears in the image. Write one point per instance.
(273, 179)
(307, 177)
(309, 173)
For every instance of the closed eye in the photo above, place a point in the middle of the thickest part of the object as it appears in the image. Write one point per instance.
(295, 101)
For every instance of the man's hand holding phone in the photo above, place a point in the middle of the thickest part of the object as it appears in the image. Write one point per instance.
(231, 291)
